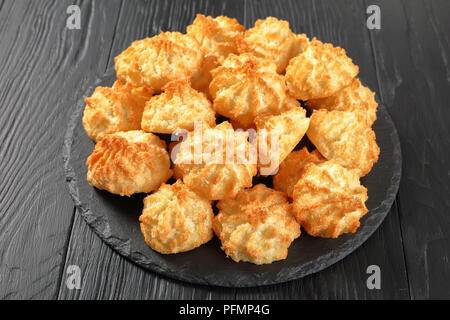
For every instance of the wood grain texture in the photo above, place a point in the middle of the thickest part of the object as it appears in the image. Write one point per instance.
(106, 274)
(347, 278)
(42, 62)
(45, 67)
(411, 54)
(343, 24)
(140, 18)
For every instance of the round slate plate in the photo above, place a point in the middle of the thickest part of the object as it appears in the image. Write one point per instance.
(115, 219)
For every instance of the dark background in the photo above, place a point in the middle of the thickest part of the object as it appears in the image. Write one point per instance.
(45, 67)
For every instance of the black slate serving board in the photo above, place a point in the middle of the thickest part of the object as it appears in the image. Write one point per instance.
(115, 218)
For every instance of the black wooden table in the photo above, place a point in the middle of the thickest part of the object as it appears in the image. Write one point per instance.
(45, 67)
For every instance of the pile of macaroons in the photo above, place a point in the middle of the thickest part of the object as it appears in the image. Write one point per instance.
(253, 79)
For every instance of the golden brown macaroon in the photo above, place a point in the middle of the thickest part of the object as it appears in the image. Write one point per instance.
(356, 98)
(292, 168)
(340, 136)
(153, 62)
(278, 135)
(129, 162)
(114, 109)
(202, 79)
(245, 86)
(320, 71)
(329, 200)
(273, 39)
(208, 168)
(175, 219)
(258, 226)
(216, 36)
(179, 106)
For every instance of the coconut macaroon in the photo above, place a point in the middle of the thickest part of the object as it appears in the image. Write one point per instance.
(340, 136)
(245, 86)
(153, 62)
(356, 98)
(178, 107)
(277, 137)
(258, 226)
(273, 39)
(175, 219)
(329, 200)
(320, 71)
(114, 109)
(292, 169)
(216, 36)
(129, 162)
(215, 163)
(202, 79)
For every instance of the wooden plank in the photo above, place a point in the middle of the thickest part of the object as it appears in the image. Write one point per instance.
(341, 23)
(43, 65)
(147, 18)
(411, 54)
(344, 280)
(347, 278)
(105, 273)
